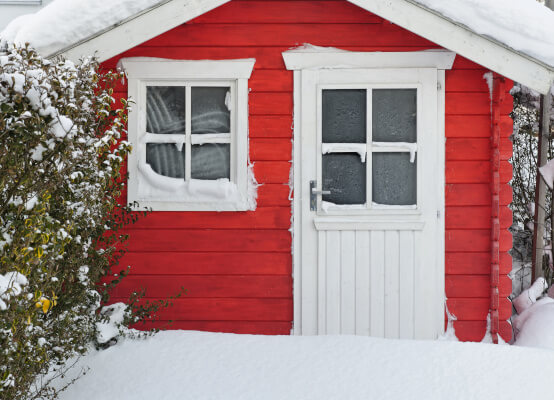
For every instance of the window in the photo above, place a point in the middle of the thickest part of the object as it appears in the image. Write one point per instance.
(189, 134)
(369, 147)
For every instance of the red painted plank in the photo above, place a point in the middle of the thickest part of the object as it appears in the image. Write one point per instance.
(506, 218)
(191, 309)
(475, 263)
(279, 103)
(468, 217)
(466, 80)
(270, 149)
(468, 240)
(273, 195)
(506, 149)
(471, 309)
(271, 81)
(209, 240)
(195, 263)
(506, 194)
(505, 171)
(505, 241)
(474, 286)
(468, 172)
(506, 331)
(466, 126)
(262, 218)
(467, 149)
(470, 331)
(467, 194)
(468, 104)
(240, 327)
(208, 286)
(272, 171)
(463, 63)
(288, 12)
(270, 126)
(468, 263)
(256, 34)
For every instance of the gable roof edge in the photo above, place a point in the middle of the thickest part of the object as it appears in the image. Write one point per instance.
(456, 37)
(138, 28)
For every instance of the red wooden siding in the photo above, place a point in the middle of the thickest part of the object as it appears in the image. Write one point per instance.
(237, 266)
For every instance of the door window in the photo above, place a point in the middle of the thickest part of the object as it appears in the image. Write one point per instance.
(369, 147)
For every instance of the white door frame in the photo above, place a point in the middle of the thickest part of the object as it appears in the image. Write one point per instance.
(310, 58)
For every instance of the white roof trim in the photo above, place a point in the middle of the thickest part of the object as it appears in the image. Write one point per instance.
(139, 28)
(327, 58)
(406, 13)
(166, 69)
(459, 38)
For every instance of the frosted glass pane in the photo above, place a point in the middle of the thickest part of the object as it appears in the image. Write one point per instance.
(344, 175)
(166, 159)
(344, 116)
(394, 115)
(394, 179)
(210, 161)
(165, 109)
(209, 110)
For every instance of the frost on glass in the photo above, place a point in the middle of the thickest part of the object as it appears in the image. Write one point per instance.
(394, 179)
(165, 109)
(210, 161)
(166, 159)
(344, 116)
(345, 176)
(394, 115)
(210, 111)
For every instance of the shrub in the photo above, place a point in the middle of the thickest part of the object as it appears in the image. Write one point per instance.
(61, 157)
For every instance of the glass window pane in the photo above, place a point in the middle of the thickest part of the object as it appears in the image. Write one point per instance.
(394, 179)
(211, 161)
(344, 116)
(165, 109)
(394, 115)
(210, 111)
(166, 159)
(344, 175)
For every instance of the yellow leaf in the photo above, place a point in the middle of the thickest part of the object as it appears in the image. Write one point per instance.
(45, 305)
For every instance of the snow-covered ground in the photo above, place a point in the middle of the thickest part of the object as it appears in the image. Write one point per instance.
(194, 365)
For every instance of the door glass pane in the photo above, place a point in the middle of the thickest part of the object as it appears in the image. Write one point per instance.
(211, 161)
(394, 115)
(344, 174)
(210, 110)
(165, 109)
(394, 179)
(166, 159)
(344, 116)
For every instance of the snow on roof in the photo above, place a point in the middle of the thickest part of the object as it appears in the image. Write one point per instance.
(65, 22)
(526, 26)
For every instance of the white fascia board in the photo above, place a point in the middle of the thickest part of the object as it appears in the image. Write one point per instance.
(322, 58)
(460, 39)
(146, 68)
(138, 29)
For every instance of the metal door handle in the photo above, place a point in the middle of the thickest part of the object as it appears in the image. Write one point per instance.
(313, 195)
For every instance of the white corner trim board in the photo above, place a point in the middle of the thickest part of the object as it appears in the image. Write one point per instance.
(139, 28)
(315, 57)
(460, 39)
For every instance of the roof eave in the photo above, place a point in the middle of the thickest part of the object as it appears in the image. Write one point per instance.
(138, 28)
(456, 37)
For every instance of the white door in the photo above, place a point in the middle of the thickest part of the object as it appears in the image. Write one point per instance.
(369, 163)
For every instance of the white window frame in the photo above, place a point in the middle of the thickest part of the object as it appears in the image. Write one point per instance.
(174, 194)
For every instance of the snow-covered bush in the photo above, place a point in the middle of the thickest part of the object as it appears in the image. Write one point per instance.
(61, 157)
(524, 162)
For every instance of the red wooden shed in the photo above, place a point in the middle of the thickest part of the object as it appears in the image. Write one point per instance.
(319, 167)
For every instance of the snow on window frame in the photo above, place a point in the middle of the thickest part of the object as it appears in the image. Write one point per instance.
(146, 188)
